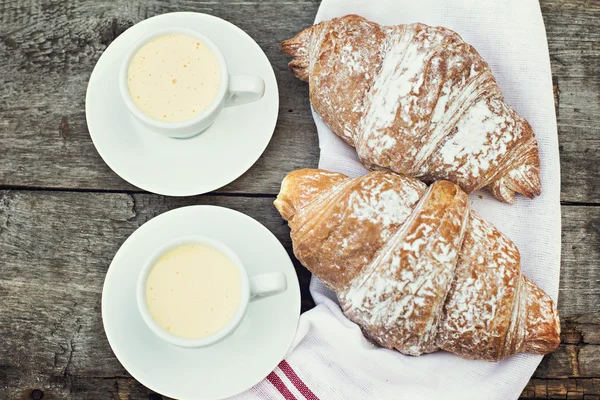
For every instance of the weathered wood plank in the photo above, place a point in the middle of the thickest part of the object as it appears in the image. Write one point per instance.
(580, 389)
(572, 36)
(574, 44)
(579, 296)
(53, 387)
(578, 333)
(571, 361)
(29, 385)
(579, 138)
(55, 248)
(53, 49)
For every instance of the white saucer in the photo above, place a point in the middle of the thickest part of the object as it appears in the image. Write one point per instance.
(229, 367)
(179, 167)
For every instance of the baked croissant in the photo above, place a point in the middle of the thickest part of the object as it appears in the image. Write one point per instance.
(416, 100)
(414, 268)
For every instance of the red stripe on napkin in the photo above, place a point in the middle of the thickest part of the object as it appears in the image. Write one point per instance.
(295, 379)
(280, 386)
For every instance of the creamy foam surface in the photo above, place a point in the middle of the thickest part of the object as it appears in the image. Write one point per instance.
(174, 77)
(193, 291)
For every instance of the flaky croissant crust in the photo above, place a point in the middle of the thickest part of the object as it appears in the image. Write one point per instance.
(417, 100)
(414, 267)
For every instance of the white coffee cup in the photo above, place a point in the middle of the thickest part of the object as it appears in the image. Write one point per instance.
(233, 90)
(252, 288)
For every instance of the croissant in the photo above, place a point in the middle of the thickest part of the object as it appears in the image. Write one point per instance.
(414, 267)
(416, 100)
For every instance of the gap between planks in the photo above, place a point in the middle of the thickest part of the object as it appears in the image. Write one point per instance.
(126, 191)
(214, 194)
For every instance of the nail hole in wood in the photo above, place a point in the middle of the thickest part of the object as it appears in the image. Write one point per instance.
(37, 394)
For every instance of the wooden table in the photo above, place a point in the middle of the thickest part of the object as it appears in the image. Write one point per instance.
(64, 213)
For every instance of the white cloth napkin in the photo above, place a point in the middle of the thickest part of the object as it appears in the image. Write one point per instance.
(330, 359)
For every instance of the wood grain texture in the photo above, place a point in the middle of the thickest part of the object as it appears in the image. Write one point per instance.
(579, 389)
(51, 48)
(55, 248)
(48, 51)
(574, 44)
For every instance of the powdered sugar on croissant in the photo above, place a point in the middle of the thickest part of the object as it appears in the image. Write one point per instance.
(417, 100)
(414, 267)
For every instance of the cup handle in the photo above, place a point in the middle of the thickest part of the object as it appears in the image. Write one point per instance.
(244, 89)
(266, 285)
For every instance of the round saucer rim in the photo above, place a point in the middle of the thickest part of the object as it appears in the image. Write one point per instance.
(134, 371)
(245, 166)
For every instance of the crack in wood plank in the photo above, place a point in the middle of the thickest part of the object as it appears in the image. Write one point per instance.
(71, 350)
(573, 352)
(4, 211)
(134, 208)
(556, 93)
(113, 29)
(63, 128)
(56, 325)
